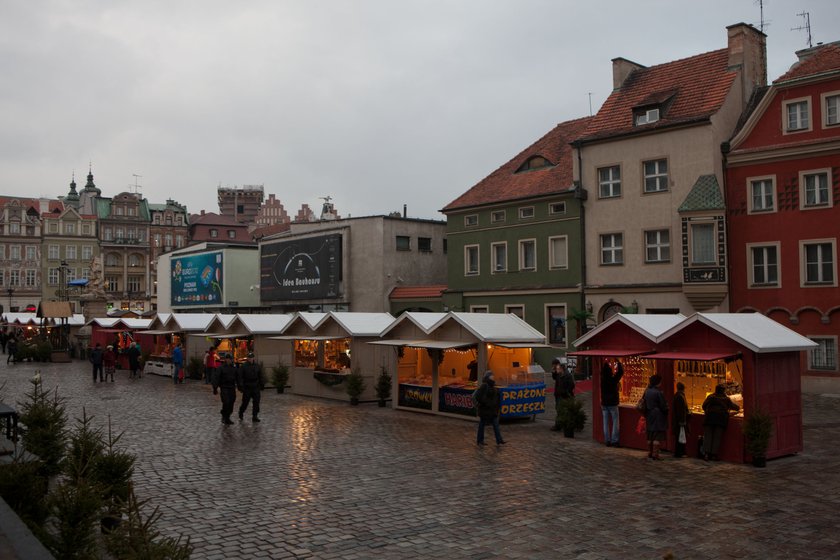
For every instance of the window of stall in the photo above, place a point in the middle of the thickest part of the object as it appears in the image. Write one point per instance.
(701, 377)
(637, 372)
(306, 353)
(337, 354)
(458, 367)
(414, 378)
(510, 365)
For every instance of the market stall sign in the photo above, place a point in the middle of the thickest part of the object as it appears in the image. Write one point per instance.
(522, 400)
(415, 396)
(456, 400)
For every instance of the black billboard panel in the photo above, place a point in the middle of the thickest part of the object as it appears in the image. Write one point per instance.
(301, 269)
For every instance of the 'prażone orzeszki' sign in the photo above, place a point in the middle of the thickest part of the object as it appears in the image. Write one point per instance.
(306, 268)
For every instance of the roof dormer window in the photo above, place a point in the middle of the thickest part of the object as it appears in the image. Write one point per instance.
(534, 162)
(646, 116)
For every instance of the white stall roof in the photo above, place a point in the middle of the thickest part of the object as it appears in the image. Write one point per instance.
(77, 320)
(438, 344)
(311, 319)
(425, 321)
(225, 318)
(757, 332)
(264, 323)
(190, 321)
(104, 322)
(495, 327)
(136, 323)
(651, 327)
(362, 324)
(21, 318)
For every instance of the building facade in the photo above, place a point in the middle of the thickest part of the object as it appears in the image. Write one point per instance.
(241, 204)
(168, 230)
(69, 246)
(651, 163)
(210, 227)
(783, 189)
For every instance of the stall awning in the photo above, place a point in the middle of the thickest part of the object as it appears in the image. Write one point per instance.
(698, 356)
(522, 344)
(306, 337)
(435, 344)
(157, 332)
(222, 336)
(610, 352)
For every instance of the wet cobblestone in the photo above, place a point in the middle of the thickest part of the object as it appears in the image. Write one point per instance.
(322, 479)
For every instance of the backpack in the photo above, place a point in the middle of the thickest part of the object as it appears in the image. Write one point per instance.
(475, 396)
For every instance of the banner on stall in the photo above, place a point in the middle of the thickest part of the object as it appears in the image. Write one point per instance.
(415, 396)
(523, 400)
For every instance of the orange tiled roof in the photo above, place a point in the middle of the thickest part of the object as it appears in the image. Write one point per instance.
(696, 87)
(416, 292)
(506, 184)
(52, 204)
(825, 58)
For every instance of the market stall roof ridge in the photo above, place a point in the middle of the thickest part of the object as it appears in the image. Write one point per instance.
(226, 319)
(264, 323)
(133, 323)
(425, 343)
(15, 318)
(651, 327)
(494, 327)
(360, 323)
(188, 322)
(103, 322)
(759, 333)
(424, 320)
(312, 319)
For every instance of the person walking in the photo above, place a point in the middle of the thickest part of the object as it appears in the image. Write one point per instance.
(177, 364)
(109, 362)
(134, 360)
(250, 382)
(679, 420)
(564, 385)
(211, 362)
(611, 373)
(656, 416)
(225, 382)
(488, 403)
(4, 338)
(95, 358)
(12, 347)
(716, 408)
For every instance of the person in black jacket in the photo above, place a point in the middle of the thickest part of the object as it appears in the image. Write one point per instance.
(611, 374)
(96, 358)
(225, 382)
(250, 382)
(488, 403)
(717, 408)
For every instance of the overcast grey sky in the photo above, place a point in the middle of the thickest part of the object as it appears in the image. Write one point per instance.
(377, 103)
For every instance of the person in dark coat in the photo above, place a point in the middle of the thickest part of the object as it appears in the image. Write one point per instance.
(109, 362)
(250, 382)
(4, 338)
(656, 416)
(716, 407)
(611, 374)
(564, 385)
(225, 382)
(96, 358)
(488, 404)
(679, 420)
(134, 360)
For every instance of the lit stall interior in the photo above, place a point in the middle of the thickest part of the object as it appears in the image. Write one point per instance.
(239, 348)
(414, 378)
(636, 378)
(511, 366)
(701, 377)
(331, 355)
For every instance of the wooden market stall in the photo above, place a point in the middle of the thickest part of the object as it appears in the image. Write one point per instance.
(168, 330)
(120, 332)
(328, 346)
(261, 328)
(442, 356)
(755, 358)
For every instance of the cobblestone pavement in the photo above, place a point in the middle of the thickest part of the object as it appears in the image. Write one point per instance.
(322, 479)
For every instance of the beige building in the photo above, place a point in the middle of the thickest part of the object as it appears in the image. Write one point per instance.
(69, 246)
(651, 164)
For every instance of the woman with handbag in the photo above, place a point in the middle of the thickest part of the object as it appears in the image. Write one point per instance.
(679, 421)
(656, 416)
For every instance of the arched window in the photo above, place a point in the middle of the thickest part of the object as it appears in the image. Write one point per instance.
(534, 162)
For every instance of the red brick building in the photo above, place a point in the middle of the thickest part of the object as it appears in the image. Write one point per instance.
(783, 204)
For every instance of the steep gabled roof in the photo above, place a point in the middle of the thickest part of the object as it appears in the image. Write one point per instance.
(694, 89)
(506, 184)
(822, 59)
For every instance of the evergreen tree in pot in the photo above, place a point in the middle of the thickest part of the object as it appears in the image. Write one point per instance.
(383, 386)
(355, 386)
(758, 427)
(280, 376)
(570, 416)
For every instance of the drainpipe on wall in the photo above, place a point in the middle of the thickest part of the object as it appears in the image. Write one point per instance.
(581, 195)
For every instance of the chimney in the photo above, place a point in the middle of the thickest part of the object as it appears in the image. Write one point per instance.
(748, 53)
(621, 69)
(405, 210)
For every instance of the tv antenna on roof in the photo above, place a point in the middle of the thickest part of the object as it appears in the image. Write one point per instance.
(135, 188)
(807, 27)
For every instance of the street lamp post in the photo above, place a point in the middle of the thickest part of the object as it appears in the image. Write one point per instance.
(62, 288)
(10, 291)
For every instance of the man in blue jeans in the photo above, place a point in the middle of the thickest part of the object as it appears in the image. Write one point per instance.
(611, 373)
(178, 364)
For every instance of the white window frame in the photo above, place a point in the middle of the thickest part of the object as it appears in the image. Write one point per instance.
(522, 244)
(693, 237)
(647, 117)
(786, 128)
(87, 252)
(470, 270)
(556, 208)
(827, 353)
(31, 253)
(494, 248)
(14, 252)
(479, 309)
(14, 278)
(509, 308)
(471, 220)
(658, 245)
(526, 213)
(752, 182)
(803, 189)
(555, 261)
(611, 183)
(826, 99)
(751, 281)
(70, 252)
(615, 248)
(31, 279)
(53, 252)
(498, 217)
(658, 177)
(52, 276)
(546, 308)
(803, 265)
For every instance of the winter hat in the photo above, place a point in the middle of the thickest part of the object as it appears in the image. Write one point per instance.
(488, 375)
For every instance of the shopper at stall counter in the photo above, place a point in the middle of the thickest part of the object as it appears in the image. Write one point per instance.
(96, 356)
(250, 382)
(611, 373)
(225, 383)
(656, 416)
(211, 362)
(564, 385)
(679, 420)
(488, 402)
(716, 407)
(177, 364)
(134, 359)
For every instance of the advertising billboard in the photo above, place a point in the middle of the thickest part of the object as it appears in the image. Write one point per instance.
(197, 280)
(308, 268)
